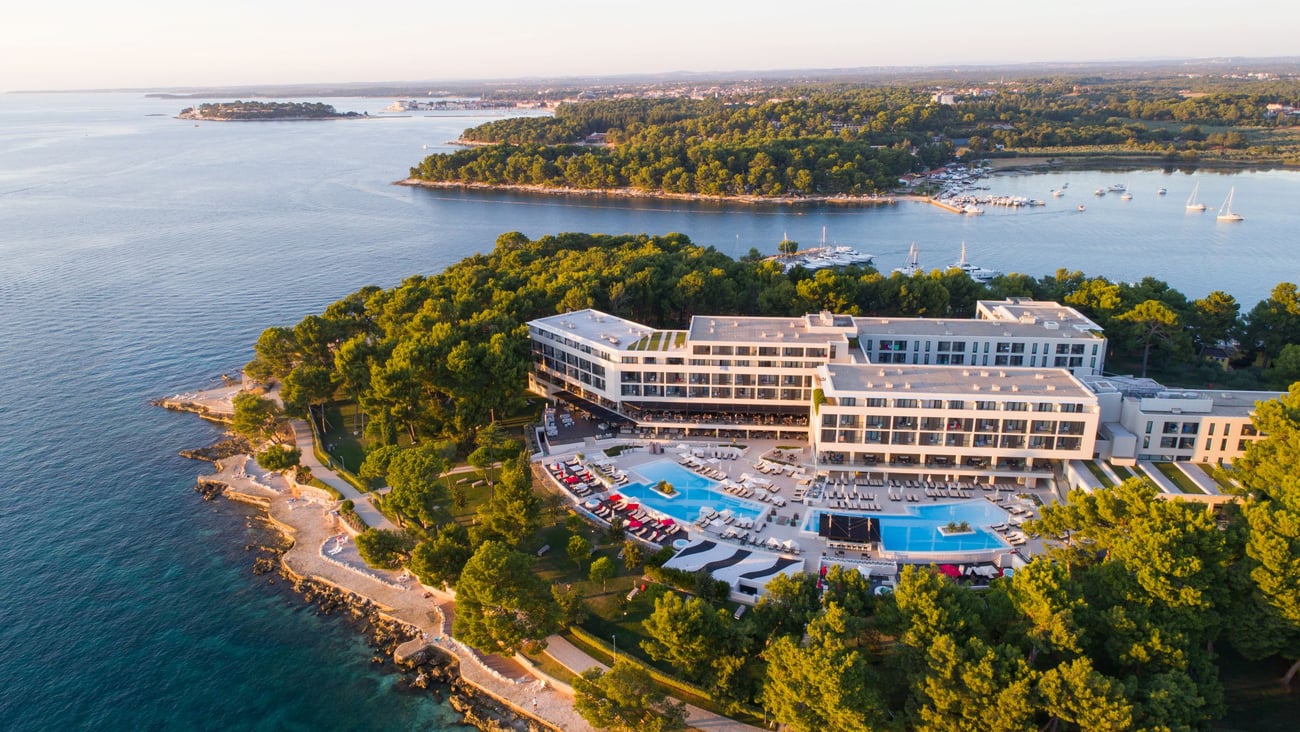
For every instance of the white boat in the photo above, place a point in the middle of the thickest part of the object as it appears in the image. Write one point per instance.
(1192, 203)
(1162, 191)
(1126, 196)
(913, 266)
(1119, 187)
(823, 257)
(1099, 192)
(979, 274)
(1058, 193)
(1225, 211)
(971, 209)
(1081, 207)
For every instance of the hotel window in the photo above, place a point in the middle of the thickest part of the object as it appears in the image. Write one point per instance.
(744, 351)
(959, 346)
(630, 359)
(1017, 360)
(1017, 348)
(943, 345)
(956, 404)
(847, 401)
(1149, 423)
(1035, 348)
(792, 352)
(942, 359)
(1168, 442)
(1190, 428)
(1000, 360)
(700, 350)
(1169, 428)
(770, 351)
(1061, 362)
(722, 350)
(876, 402)
(904, 404)
(1003, 347)
(1210, 433)
(815, 353)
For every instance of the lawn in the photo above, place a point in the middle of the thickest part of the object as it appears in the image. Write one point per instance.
(1099, 474)
(338, 439)
(1179, 478)
(1211, 470)
(1123, 472)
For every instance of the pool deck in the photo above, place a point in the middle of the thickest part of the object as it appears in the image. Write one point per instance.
(820, 483)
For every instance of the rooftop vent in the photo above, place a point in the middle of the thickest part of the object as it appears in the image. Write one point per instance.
(1015, 387)
(1051, 325)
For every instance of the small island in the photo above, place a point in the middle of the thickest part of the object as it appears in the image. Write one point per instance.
(238, 111)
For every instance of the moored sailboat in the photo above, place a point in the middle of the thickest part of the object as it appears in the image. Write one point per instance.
(1192, 203)
(1225, 211)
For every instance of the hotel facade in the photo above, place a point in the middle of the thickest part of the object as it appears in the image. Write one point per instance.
(1007, 395)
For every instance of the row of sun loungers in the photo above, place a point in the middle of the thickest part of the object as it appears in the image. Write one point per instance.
(857, 505)
(1014, 536)
(909, 497)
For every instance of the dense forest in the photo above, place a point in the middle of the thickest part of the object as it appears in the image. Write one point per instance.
(1117, 628)
(239, 110)
(832, 140)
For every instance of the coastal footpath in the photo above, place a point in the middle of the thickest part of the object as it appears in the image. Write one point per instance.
(322, 551)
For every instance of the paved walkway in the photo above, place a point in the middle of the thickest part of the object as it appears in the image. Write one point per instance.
(302, 437)
(577, 661)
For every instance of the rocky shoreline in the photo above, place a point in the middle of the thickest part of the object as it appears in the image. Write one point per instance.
(633, 193)
(431, 669)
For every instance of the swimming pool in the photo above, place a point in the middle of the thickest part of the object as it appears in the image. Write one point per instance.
(694, 492)
(918, 532)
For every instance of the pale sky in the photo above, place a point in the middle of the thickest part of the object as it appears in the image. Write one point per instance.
(84, 44)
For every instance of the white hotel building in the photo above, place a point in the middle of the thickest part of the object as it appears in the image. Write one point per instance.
(1003, 397)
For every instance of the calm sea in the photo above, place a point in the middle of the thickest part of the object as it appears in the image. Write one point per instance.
(141, 256)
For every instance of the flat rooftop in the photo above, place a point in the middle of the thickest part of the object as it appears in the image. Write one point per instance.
(1020, 310)
(593, 325)
(767, 331)
(962, 328)
(1226, 403)
(971, 382)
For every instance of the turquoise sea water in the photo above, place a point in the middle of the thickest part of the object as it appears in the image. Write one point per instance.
(141, 256)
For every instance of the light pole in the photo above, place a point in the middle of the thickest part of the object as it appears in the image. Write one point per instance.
(615, 639)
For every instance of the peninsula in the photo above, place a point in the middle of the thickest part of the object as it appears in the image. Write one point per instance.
(820, 142)
(415, 414)
(239, 111)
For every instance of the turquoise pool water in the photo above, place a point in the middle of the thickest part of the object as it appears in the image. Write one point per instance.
(694, 492)
(919, 531)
